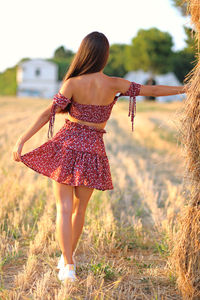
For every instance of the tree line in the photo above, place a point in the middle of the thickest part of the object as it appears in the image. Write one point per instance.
(150, 50)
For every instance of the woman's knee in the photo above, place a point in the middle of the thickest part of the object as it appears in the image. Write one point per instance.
(64, 210)
(79, 211)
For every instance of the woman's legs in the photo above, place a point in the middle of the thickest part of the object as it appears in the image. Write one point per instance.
(70, 215)
(82, 195)
(64, 204)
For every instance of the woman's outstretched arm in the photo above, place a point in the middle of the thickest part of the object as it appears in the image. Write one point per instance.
(161, 90)
(150, 90)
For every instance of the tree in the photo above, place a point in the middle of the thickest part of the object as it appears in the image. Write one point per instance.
(61, 52)
(190, 33)
(62, 57)
(181, 4)
(116, 61)
(24, 59)
(151, 50)
(8, 83)
(183, 62)
(185, 59)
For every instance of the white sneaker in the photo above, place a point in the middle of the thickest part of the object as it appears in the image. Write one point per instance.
(67, 272)
(61, 262)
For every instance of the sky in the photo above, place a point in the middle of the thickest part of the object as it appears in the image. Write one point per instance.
(36, 28)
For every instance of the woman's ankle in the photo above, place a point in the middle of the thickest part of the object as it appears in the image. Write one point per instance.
(69, 266)
(68, 261)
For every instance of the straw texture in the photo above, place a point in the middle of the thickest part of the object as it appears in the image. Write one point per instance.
(186, 247)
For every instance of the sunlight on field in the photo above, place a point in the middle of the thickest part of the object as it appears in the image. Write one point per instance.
(124, 249)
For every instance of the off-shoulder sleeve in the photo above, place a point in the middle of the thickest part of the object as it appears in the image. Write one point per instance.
(132, 92)
(61, 101)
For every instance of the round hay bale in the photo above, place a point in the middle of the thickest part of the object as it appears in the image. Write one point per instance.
(185, 253)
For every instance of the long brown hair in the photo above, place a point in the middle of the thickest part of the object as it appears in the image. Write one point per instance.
(91, 56)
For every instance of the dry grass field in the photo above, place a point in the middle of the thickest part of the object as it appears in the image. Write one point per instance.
(124, 250)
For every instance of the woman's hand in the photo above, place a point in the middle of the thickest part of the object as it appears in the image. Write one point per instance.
(17, 151)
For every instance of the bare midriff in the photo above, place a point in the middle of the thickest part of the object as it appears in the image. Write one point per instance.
(96, 125)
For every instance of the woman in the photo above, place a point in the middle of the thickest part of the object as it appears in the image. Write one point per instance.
(75, 158)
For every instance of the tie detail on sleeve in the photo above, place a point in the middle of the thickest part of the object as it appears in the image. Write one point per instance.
(133, 91)
(61, 101)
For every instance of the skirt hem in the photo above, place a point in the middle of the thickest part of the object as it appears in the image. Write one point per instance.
(75, 156)
(68, 183)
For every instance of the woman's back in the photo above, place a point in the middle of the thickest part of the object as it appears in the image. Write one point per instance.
(95, 89)
(92, 97)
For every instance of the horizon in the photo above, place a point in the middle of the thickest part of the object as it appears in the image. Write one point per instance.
(33, 25)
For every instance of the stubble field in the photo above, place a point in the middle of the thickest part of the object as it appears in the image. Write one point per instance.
(124, 251)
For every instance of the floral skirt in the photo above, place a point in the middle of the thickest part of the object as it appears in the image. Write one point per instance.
(75, 156)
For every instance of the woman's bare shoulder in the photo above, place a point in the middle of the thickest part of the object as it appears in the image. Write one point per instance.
(67, 88)
(121, 85)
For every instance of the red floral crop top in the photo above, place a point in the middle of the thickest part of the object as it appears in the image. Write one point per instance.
(90, 112)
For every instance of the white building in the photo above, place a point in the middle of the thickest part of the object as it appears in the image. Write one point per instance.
(37, 78)
(164, 79)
